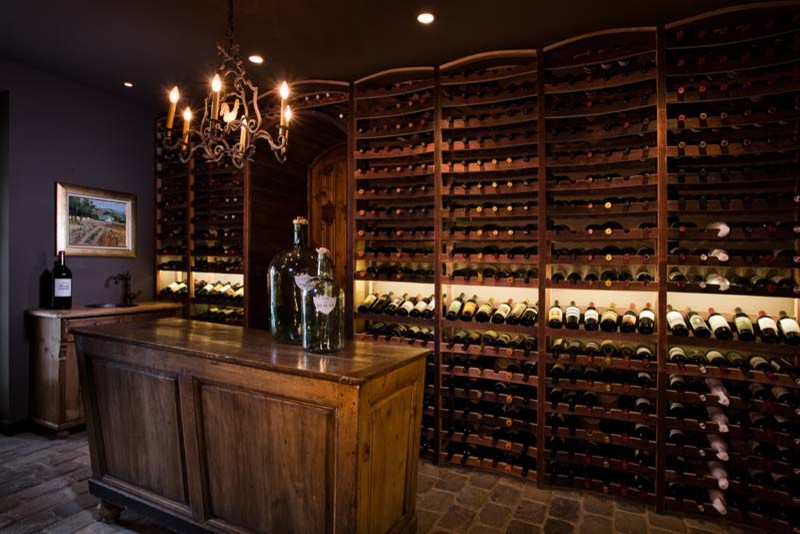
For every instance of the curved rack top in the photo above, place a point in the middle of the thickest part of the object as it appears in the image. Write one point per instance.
(595, 47)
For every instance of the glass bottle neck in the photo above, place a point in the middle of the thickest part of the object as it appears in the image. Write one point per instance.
(61, 259)
(324, 266)
(301, 235)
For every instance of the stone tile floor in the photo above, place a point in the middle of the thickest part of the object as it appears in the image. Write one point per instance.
(43, 488)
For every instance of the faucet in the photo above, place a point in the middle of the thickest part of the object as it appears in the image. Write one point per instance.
(127, 295)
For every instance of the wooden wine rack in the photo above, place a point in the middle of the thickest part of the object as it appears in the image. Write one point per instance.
(662, 130)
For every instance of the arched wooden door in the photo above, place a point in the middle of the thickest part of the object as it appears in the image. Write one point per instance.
(327, 206)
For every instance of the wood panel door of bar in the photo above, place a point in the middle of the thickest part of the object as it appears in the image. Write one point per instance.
(213, 427)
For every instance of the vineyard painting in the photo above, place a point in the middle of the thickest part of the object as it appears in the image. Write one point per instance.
(94, 222)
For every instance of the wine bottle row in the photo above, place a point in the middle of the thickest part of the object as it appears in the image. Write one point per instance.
(765, 329)
(222, 315)
(608, 320)
(400, 306)
(219, 291)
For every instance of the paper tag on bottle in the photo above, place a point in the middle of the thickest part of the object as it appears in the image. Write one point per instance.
(62, 287)
(302, 279)
(325, 304)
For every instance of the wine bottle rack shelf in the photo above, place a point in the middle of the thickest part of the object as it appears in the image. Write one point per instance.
(619, 117)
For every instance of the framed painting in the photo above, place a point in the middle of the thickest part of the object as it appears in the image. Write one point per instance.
(95, 222)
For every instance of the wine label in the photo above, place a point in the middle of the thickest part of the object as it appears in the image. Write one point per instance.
(555, 313)
(674, 318)
(789, 325)
(590, 315)
(62, 287)
(765, 323)
(717, 321)
(325, 304)
(302, 279)
(573, 311)
(743, 324)
(455, 306)
(696, 321)
(647, 313)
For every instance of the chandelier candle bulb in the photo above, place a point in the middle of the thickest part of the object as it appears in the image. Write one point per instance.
(284, 91)
(187, 120)
(216, 87)
(243, 136)
(174, 96)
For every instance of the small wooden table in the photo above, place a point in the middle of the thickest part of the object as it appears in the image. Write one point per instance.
(212, 427)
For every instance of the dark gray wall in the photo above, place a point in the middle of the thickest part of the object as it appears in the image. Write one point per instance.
(4, 208)
(60, 131)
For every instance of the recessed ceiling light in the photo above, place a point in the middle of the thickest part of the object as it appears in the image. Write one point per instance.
(425, 18)
(255, 58)
(127, 84)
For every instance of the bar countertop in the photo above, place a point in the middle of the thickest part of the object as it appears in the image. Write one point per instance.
(85, 311)
(359, 362)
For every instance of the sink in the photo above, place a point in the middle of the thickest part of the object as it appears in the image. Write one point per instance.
(110, 305)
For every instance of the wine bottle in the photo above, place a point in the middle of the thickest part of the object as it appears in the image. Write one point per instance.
(500, 314)
(323, 309)
(609, 319)
(789, 329)
(555, 316)
(62, 283)
(420, 307)
(698, 325)
(468, 311)
(647, 320)
(677, 325)
(744, 327)
(515, 315)
(529, 316)
(768, 328)
(485, 311)
(368, 303)
(591, 319)
(455, 308)
(630, 320)
(572, 317)
(405, 309)
(719, 325)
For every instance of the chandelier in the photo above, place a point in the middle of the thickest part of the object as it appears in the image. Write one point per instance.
(232, 121)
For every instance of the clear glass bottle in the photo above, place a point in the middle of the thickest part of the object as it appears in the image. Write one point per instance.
(289, 271)
(323, 309)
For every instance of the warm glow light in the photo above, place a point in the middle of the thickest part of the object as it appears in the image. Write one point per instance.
(174, 95)
(288, 114)
(127, 84)
(255, 58)
(284, 90)
(216, 84)
(425, 18)
(187, 115)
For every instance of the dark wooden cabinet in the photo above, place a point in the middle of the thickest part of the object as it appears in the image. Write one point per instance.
(55, 390)
(214, 427)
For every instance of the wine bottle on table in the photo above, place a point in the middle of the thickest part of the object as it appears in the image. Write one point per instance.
(289, 272)
(62, 283)
(323, 309)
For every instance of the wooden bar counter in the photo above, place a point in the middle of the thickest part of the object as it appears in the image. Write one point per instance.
(213, 427)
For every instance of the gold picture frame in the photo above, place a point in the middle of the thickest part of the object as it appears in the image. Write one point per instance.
(95, 222)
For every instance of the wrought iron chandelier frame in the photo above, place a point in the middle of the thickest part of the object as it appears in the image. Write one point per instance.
(213, 138)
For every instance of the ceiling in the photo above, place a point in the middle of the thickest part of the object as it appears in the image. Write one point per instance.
(157, 43)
